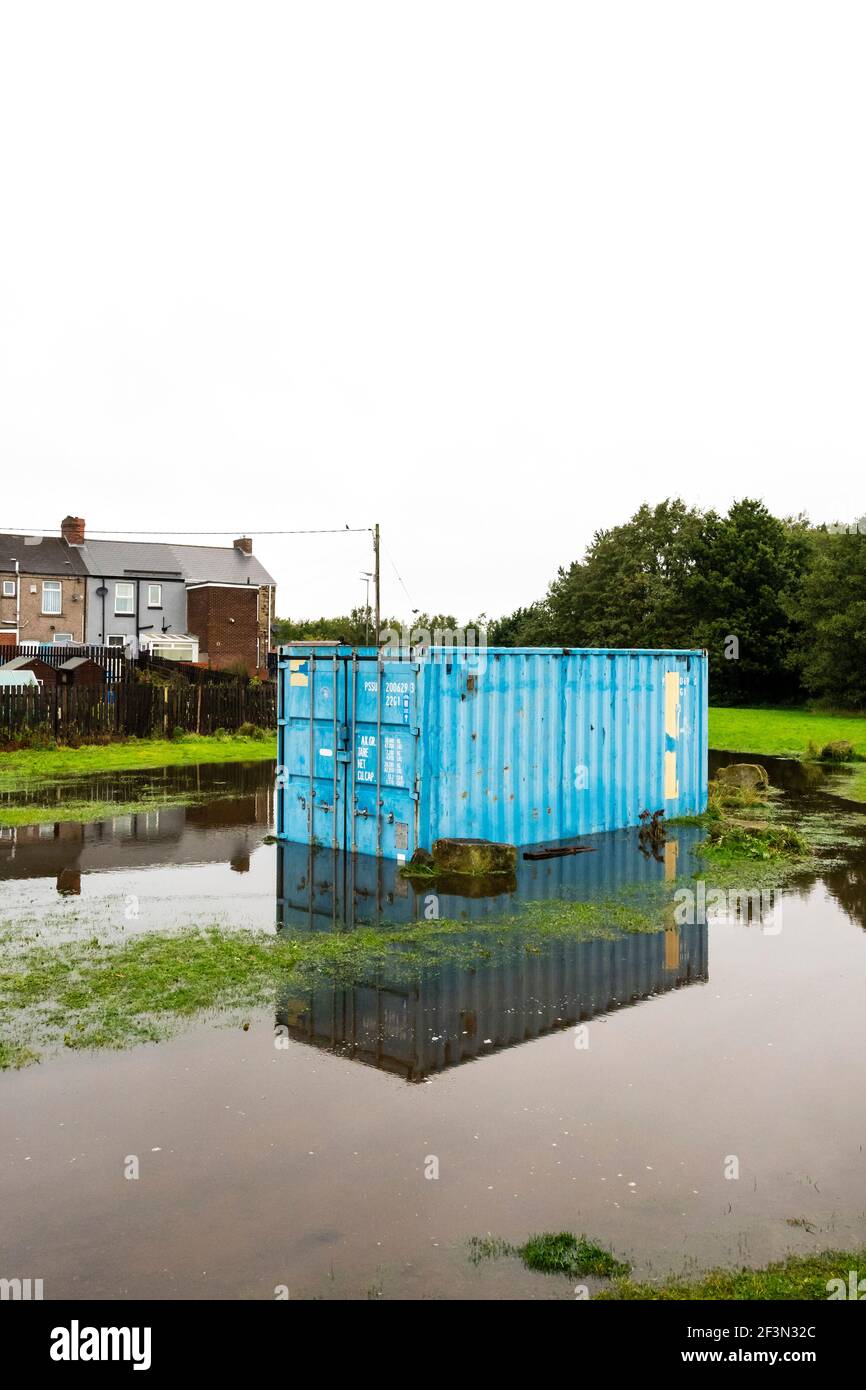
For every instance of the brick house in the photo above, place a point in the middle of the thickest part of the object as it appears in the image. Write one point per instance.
(43, 590)
(209, 603)
(232, 622)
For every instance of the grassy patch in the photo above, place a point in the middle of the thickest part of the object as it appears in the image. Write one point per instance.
(797, 733)
(729, 843)
(750, 838)
(78, 810)
(801, 1277)
(14, 1055)
(564, 1253)
(552, 1253)
(784, 733)
(481, 1248)
(98, 993)
(21, 769)
(421, 871)
(724, 800)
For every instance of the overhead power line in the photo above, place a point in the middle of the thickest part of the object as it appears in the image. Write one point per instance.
(232, 531)
(400, 579)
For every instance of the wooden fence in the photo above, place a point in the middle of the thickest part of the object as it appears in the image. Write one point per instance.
(196, 675)
(70, 712)
(116, 664)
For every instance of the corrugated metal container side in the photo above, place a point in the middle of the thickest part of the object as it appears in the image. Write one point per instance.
(526, 745)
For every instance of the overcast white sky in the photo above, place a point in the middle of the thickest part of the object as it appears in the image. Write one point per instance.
(488, 273)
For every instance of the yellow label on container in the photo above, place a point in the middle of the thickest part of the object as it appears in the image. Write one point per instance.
(672, 724)
(672, 703)
(671, 783)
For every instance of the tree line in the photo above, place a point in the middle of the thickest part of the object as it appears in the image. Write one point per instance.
(778, 603)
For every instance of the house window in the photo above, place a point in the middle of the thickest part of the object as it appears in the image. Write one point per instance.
(8, 588)
(154, 595)
(64, 638)
(124, 598)
(116, 639)
(51, 596)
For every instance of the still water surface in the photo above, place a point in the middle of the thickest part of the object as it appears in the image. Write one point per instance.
(295, 1153)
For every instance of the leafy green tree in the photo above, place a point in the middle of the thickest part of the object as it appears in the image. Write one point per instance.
(525, 627)
(355, 628)
(773, 601)
(832, 614)
(632, 587)
(744, 593)
(673, 576)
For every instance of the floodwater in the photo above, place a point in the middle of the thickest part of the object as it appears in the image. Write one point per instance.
(296, 1154)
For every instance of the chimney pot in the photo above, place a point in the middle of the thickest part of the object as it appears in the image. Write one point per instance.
(72, 530)
(243, 543)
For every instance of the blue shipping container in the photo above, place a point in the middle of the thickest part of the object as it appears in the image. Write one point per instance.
(531, 745)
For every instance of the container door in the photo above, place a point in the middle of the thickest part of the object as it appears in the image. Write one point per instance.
(385, 751)
(313, 749)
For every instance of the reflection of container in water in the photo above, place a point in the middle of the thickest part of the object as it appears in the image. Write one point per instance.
(320, 888)
(452, 1014)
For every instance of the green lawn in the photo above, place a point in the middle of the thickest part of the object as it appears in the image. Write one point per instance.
(41, 765)
(800, 1277)
(783, 732)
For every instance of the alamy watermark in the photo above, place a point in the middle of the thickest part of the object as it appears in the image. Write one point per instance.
(729, 907)
(854, 1289)
(408, 643)
(20, 1290)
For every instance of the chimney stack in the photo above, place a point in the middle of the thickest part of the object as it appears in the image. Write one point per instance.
(243, 543)
(72, 530)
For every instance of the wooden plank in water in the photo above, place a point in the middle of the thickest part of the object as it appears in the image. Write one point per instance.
(558, 853)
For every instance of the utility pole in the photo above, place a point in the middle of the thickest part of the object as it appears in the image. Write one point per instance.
(376, 577)
(367, 575)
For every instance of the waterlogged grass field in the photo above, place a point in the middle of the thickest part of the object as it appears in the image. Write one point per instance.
(82, 812)
(793, 733)
(81, 983)
(801, 1277)
(806, 1278)
(21, 769)
(98, 993)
